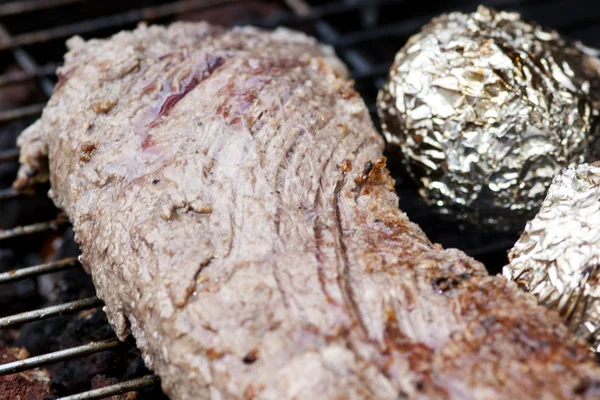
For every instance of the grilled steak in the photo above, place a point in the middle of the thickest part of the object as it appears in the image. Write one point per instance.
(229, 194)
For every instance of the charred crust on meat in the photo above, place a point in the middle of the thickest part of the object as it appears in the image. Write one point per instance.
(582, 387)
(390, 314)
(447, 283)
(346, 165)
(488, 322)
(378, 174)
(362, 178)
(201, 208)
(104, 105)
(373, 173)
(343, 128)
(418, 355)
(86, 152)
(348, 92)
(251, 357)
(214, 354)
(198, 280)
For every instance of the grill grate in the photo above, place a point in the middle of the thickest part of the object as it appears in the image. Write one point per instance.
(366, 34)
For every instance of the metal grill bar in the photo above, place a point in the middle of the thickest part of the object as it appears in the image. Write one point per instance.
(61, 355)
(112, 21)
(21, 76)
(9, 155)
(319, 12)
(406, 28)
(21, 112)
(9, 193)
(36, 270)
(30, 66)
(26, 61)
(23, 6)
(120, 388)
(34, 228)
(300, 7)
(49, 312)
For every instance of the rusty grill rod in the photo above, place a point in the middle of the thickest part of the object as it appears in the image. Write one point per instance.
(8, 193)
(318, 12)
(8, 78)
(9, 155)
(28, 272)
(30, 66)
(22, 112)
(26, 61)
(116, 389)
(112, 21)
(57, 356)
(49, 312)
(300, 7)
(23, 6)
(55, 224)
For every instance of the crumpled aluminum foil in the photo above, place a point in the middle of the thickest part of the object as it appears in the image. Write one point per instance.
(485, 108)
(558, 256)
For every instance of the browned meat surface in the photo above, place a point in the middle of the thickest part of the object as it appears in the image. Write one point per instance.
(30, 385)
(231, 201)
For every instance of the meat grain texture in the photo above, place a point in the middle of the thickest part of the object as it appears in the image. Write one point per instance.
(230, 198)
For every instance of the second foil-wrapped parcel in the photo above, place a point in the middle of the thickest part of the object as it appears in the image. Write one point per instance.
(558, 256)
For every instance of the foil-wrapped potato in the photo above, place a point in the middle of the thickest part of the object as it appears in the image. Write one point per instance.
(558, 256)
(485, 108)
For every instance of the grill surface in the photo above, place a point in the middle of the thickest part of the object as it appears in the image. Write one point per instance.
(366, 34)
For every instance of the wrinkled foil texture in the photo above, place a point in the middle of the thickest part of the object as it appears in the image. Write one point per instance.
(485, 108)
(558, 256)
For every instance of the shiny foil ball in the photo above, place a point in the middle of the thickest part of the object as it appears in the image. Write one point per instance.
(484, 108)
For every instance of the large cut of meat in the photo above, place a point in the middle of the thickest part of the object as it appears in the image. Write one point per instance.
(230, 198)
